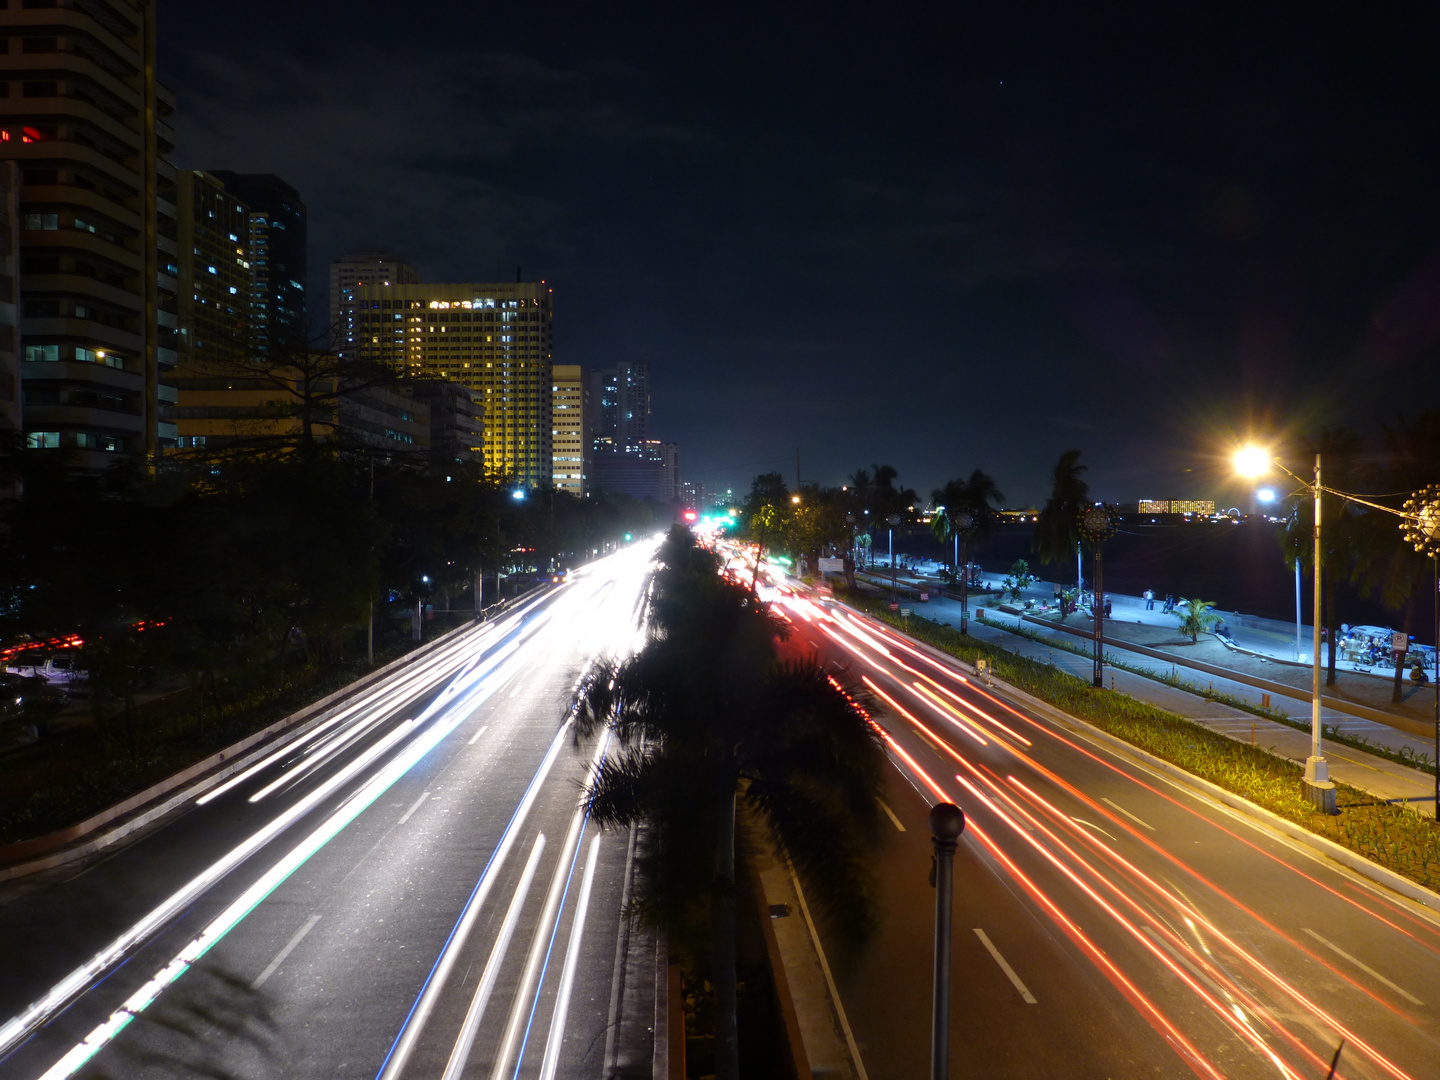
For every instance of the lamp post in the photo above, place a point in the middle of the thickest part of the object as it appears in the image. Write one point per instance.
(963, 526)
(893, 519)
(1422, 530)
(947, 822)
(1097, 524)
(1253, 462)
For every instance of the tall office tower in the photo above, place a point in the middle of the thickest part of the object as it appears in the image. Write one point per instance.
(571, 436)
(215, 272)
(278, 263)
(495, 338)
(9, 311)
(86, 122)
(622, 405)
(348, 273)
(669, 454)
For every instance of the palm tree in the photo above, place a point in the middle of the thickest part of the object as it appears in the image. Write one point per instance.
(972, 497)
(707, 713)
(1057, 533)
(1197, 618)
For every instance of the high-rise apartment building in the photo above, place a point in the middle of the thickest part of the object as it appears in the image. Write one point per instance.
(9, 285)
(276, 245)
(571, 436)
(347, 274)
(622, 405)
(216, 278)
(87, 125)
(492, 337)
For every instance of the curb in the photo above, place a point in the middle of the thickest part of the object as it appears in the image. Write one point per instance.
(239, 755)
(1344, 856)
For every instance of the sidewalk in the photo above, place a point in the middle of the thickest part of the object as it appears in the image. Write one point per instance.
(1273, 644)
(1368, 772)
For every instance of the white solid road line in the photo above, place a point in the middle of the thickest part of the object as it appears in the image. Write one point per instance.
(551, 1061)
(890, 813)
(474, 738)
(1005, 967)
(1132, 817)
(283, 953)
(829, 978)
(1363, 967)
(413, 807)
(460, 1055)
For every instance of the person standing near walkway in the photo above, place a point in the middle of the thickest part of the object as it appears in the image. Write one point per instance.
(1149, 599)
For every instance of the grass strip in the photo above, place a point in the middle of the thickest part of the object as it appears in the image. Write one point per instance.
(1395, 837)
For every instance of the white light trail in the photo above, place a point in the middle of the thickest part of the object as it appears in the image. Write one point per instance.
(567, 978)
(460, 1055)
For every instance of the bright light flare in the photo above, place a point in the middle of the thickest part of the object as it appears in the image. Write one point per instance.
(1252, 461)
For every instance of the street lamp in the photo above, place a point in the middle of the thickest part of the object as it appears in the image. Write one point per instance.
(893, 519)
(1422, 530)
(1253, 462)
(1098, 524)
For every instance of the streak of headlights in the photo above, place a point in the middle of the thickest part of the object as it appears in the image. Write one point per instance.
(460, 708)
(42, 1010)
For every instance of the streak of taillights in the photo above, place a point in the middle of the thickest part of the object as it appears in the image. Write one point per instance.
(1117, 916)
(1128, 989)
(916, 721)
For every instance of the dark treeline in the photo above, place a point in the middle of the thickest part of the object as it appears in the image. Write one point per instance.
(238, 567)
(1366, 562)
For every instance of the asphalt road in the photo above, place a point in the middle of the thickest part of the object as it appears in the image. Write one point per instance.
(408, 890)
(1108, 922)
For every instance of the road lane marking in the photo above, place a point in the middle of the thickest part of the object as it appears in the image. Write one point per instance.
(1005, 967)
(551, 1061)
(460, 1055)
(1132, 817)
(860, 1072)
(283, 953)
(890, 814)
(622, 950)
(477, 735)
(413, 807)
(1363, 967)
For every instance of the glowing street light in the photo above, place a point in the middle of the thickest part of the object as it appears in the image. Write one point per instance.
(1253, 462)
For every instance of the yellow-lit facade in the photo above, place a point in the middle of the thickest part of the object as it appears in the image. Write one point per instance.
(495, 338)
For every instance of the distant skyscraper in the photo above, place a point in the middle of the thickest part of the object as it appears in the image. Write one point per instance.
(88, 126)
(348, 273)
(278, 259)
(622, 405)
(493, 337)
(216, 277)
(571, 437)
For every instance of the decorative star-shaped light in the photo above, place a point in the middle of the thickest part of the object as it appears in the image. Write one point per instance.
(1421, 525)
(1098, 522)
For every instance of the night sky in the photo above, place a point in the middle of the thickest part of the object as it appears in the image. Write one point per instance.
(937, 236)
